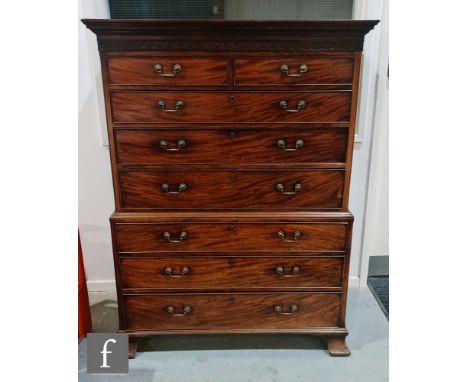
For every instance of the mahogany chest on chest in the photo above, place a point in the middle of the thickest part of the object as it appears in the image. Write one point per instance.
(231, 147)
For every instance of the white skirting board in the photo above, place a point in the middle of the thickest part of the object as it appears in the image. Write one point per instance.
(101, 286)
(353, 282)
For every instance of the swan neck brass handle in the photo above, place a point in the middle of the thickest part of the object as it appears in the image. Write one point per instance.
(281, 143)
(167, 189)
(294, 271)
(302, 69)
(183, 271)
(178, 105)
(165, 146)
(300, 105)
(182, 236)
(176, 68)
(296, 188)
(296, 235)
(172, 311)
(291, 310)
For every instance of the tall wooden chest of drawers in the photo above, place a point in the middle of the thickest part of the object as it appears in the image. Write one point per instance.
(231, 146)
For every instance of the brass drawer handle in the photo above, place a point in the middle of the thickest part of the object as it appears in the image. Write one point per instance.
(183, 271)
(292, 309)
(182, 236)
(178, 105)
(185, 310)
(296, 235)
(280, 188)
(284, 105)
(302, 69)
(282, 145)
(294, 271)
(166, 188)
(165, 146)
(176, 68)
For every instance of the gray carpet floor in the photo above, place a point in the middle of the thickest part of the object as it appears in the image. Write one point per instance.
(379, 286)
(259, 358)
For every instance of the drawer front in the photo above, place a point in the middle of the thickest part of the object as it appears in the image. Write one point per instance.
(327, 145)
(231, 272)
(225, 189)
(199, 107)
(231, 311)
(293, 71)
(226, 237)
(167, 71)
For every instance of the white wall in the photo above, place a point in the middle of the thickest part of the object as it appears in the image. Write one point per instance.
(377, 205)
(96, 201)
(376, 215)
(373, 55)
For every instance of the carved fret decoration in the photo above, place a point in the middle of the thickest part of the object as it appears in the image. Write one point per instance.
(268, 46)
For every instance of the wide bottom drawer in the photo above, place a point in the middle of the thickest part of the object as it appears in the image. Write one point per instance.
(214, 311)
(231, 272)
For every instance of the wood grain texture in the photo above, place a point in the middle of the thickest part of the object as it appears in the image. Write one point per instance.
(313, 331)
(231, 272)
(337, 346)
(238, 237)
(231, 146)
(231, 189)
(231, 311)
(194, 71)
(266, 71)
(352, 126)
(231, 121)
(199, 107)
(210, 216)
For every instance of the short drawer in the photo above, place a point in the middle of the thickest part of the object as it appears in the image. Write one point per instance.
(206, 107)
(294, 71)
(178, 146)
(211, 311)
(167, 71)
(227, 237)
(231, 272)
(231, 189)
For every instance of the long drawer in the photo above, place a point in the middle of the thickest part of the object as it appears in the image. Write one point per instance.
(209, 311)
(205, 107)
(203, 272)
(175, 146)
(231, 189)
(225, 237)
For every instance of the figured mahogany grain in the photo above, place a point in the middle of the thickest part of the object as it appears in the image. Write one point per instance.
(231, 146)
(209, 237)
(142, 107)
(266, 71)
(231, 311)
(194, 71)
(231, 189)
(231, 272)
